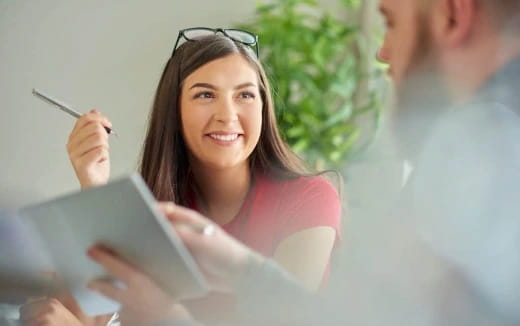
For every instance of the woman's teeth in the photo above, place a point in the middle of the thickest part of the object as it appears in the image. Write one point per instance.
(224, 137)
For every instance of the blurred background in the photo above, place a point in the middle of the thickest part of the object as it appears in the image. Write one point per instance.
(108, 55)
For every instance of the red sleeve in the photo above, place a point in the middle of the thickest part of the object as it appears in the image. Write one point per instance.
(313, 202)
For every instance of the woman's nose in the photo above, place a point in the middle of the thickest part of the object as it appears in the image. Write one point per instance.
(226, 111)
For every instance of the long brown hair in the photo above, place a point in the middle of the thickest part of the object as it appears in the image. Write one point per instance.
(164, 162)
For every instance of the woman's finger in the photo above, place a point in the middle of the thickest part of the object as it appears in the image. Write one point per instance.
(179, 214)
(94, 144)
(112, 264)
(95, 155)
(93, 115)
(89, 144)
(31, 309)
(40, 321)
(36, 308)
(90, 130)
(89, 117)
(108, 289)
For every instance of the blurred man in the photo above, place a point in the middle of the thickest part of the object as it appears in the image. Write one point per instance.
(456, 65)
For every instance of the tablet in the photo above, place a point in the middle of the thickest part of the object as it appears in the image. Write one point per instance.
(22, 261)
(124, 217)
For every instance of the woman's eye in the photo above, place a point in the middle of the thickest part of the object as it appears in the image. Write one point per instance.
(247, 95)
(204, 95)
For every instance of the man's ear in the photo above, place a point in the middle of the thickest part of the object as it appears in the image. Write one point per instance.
(455, 21)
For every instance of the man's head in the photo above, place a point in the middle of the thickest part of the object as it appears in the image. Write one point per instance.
(406, 36)
(464, 41)
(442, 50)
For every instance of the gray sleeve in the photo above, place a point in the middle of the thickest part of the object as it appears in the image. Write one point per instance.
(467, 194)
(178, 323)
(267, 295)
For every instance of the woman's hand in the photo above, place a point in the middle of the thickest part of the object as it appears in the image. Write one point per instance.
(142, 301)
(222, 259)
(88, 149)
(58, 308)
(47, 312)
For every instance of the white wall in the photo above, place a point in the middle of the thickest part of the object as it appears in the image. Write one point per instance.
(91, 54)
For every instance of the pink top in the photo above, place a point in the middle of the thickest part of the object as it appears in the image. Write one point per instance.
(273, 211)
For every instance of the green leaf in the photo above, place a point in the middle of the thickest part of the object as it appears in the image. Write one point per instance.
(300, 145)
(314, 62)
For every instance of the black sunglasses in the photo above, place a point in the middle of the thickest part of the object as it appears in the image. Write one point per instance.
(237, 35)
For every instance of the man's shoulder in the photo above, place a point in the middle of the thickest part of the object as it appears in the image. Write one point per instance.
(477, 126)
(470, 163)
(473, 152)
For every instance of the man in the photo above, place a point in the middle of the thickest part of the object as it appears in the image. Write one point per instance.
(466, 156)
(455, 243)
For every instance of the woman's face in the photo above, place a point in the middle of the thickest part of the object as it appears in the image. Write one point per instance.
(221, 112)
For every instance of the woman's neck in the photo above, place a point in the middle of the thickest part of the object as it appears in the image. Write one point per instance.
(221, 192)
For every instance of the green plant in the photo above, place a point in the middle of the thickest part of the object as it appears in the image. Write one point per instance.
(314, 62)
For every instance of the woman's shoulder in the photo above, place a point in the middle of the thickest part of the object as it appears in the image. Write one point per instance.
(302, 202)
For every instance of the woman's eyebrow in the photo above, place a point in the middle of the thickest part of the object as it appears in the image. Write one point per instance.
(213, 87)
(203, 85)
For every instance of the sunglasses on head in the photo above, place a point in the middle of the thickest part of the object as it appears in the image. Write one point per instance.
(237, 35)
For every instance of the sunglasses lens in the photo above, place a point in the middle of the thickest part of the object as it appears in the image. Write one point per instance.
(241, 36)
(194, 34)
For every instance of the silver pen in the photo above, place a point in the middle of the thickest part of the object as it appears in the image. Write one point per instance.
(65, 108)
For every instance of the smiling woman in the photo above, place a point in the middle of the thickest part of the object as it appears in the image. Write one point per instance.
(213, 145)
(221, 113)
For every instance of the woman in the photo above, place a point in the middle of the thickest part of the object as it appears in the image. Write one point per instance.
(213, 145)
